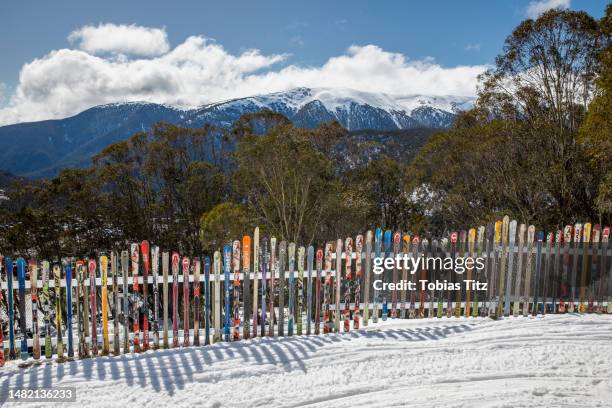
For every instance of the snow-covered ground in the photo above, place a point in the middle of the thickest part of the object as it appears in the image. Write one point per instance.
(517, 362)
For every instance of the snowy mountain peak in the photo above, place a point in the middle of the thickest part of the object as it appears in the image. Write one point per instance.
(352, 108)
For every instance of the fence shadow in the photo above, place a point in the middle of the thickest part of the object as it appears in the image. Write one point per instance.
(170, 370)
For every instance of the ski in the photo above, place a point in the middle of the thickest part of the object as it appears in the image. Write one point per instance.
(417, 243)
(511, 242)
(57, 271)
(82, 348)
(405, 272)
(309, 263)
(453, 254)
(11, 309)
(282, 257)
(528, 268)
(165, 270)
(34, 293)
(462, 248)
(115, 278)
(217, 273)
(479, 273)
(565, 286)
(155, 273)
(196, 301)
(338, 274)
(428, 250)
(556, 272)
(538, 271)
(227, 267)
(493, 273)
(21, 269)
(68, 269)
(186, 264)
(607, 273)
(387, 246)
(547, 264)
(291, 317)
(246, 264)
(413, 277)
(490, 232)
(104, 273)
(442, 245)
(377, 253)
(264, 282)
(368, 271)
(126, 301)
(92, 288)
(594, 259)
(358, 274)
(328, 323)
(145, 252)
(503, 263)
(319, 267)
(300, 290)
(175, 306)
(272, 270)
(256, 256)
(348, 252)
(45, 301)
(576, 254)
(236, 304)
(396, 249)
(470, 271)
(603, 285)
(586, 239)
(519, 269)
(135, 257)
(206, 300)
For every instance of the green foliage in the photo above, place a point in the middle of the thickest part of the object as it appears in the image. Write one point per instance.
(223, 223)
(517, 151)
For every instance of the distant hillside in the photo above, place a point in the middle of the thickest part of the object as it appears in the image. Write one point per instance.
(42, 149)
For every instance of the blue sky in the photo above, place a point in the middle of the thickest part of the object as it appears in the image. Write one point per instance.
(431, 39)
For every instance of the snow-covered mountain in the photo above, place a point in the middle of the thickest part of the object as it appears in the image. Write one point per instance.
(355, 110)
(43, 148)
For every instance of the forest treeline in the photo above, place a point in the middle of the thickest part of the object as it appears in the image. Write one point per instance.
(537, 146)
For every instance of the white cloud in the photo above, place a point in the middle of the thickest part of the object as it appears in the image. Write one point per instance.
(121, 39)
(472, 47)
(535, 8)
(198, 71)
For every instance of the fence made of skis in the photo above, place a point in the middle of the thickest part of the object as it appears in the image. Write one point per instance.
(145, 298)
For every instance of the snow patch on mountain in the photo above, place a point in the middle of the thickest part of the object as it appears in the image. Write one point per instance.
(352, 108)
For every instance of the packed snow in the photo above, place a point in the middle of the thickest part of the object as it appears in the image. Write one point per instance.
(556, 360)
(335, 99)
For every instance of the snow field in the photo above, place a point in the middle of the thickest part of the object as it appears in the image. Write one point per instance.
(557, 360)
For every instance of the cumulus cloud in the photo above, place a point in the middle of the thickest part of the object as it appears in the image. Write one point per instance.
(121, 39)
(199, 71)
(535, 8)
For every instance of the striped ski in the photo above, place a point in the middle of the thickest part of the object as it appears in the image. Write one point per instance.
(92, 288)
(145, 252)
(236, 304)
(104, 273)
(309, 263)
(348, 251)
(186, 265)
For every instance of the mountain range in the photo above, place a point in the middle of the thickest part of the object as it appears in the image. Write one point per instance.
(41, 149)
